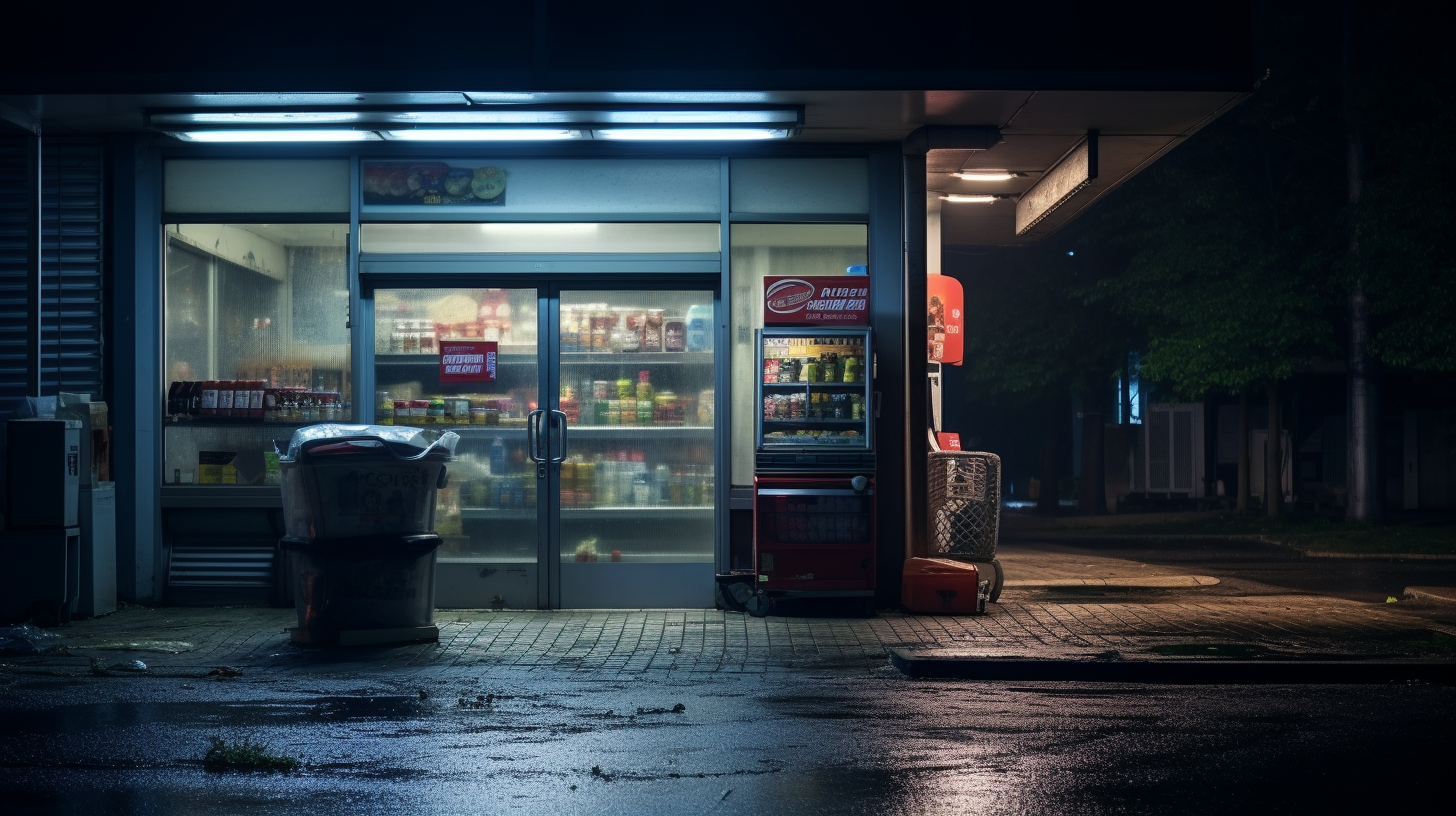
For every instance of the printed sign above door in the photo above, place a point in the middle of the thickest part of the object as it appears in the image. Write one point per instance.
(816, 301)
(433, 183)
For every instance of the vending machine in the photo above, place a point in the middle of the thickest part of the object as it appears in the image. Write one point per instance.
(814, 485)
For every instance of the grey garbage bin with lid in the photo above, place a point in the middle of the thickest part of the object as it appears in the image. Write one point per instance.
(358, 515)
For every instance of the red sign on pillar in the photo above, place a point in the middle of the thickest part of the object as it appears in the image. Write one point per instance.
(946, 320)
(467, 360)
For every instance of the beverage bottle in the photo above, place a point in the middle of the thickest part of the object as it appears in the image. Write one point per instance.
(207, 406)
(644, 399)
(700, 328)
(498, 457)
(174, 397)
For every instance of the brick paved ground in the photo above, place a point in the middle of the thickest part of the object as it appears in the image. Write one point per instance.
(1054, 606)
(189, 641)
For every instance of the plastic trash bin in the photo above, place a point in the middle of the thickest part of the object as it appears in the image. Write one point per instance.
(358, 515)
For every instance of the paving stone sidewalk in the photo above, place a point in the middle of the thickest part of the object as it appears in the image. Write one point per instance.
(1054, 607)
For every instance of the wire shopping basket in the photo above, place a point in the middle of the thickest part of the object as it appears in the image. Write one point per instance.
(965, 504)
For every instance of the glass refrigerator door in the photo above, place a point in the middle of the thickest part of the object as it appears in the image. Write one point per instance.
(814, 395)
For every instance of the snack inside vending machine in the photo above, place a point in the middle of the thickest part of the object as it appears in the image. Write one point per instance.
(814, 485)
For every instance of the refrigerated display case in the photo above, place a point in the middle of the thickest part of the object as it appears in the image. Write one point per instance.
(586, 468)
(816, 399)
(256, 345)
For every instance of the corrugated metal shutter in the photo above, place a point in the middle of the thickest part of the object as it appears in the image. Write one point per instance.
(72, 265)
(15, 233)
(72, 254)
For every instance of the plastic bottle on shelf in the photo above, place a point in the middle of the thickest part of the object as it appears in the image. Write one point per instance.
(644, 398)
(700, 328)
(661, 477)
(498, 457)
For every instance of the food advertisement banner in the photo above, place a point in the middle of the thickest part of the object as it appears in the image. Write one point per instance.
(838, 300)
(945, 337)
(434, 182)
(468, 360)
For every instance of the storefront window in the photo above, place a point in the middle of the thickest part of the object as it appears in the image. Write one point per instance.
(760, 250)
(255, 335)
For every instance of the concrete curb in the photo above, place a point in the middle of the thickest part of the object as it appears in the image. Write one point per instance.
(1438, 595)
(1109, 538)
(948, 665)
(1150, 582)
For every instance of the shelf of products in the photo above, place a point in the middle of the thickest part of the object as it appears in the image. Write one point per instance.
(814, 390)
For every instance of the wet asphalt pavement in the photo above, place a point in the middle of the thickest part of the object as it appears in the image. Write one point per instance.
(700, 711)
(516, 742)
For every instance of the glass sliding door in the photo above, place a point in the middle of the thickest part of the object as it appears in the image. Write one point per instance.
(636, 476)
(490, 514)
(586, 470)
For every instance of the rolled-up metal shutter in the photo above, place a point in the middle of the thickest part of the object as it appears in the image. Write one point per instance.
(67, 346)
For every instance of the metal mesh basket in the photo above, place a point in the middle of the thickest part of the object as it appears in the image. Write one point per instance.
(964, 504)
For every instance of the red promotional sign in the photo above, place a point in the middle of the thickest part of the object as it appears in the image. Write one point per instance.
(946, 320)
(839, 300)
(468, 360)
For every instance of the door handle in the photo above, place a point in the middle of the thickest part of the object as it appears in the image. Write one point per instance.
(533, 436)
(559, 417)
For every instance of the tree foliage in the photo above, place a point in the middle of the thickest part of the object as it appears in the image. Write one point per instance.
(1231, 239)
(1027, 333)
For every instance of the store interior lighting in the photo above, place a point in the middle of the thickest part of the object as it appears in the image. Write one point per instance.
(480, 124)
(972, 199)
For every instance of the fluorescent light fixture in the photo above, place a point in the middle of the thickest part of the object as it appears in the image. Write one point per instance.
(279, 135)
(786, 118)
(704, 134)
(987, 175)
(482, 134)
(1070, 174)
(255, 118)
(971, 199)
(481, 122)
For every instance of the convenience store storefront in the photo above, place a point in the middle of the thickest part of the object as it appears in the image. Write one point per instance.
(297, 265)
(617, 296)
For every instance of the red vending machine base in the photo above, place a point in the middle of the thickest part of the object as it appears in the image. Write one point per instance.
(939, 586)
(814, 535)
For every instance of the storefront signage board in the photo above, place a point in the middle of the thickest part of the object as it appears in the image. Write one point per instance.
(816, 300)
(468, 360)
(433, 182)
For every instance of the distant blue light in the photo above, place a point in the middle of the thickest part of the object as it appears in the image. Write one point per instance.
(1070, 253)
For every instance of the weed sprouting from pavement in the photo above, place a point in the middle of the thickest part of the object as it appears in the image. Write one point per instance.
(245, 755)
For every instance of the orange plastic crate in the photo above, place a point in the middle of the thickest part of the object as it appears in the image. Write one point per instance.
(938, 586)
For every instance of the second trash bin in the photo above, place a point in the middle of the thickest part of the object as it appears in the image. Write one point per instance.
(358, 515)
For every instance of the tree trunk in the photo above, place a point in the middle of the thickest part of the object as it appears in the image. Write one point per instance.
(1274, 458)
(1242, 502)
(1053, 415)
(1363, 485)
(1091, 494)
